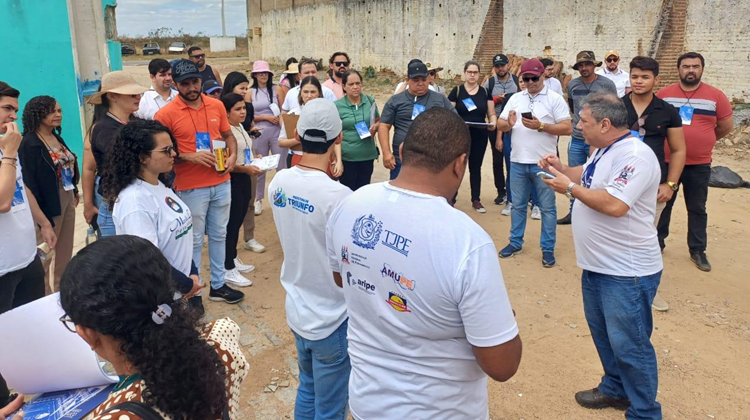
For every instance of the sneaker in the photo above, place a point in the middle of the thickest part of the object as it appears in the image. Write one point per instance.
(509, 251)
(242, 267)
(477, 205)
(226, 294)
(234, 278)
(659, 304)
(508, 208)
(196, 303)
(255, 246)
(701, 261)
(565, 220)
(500, 199)
(536, 214)
(548, 259)
(258, 207)
(594, 399)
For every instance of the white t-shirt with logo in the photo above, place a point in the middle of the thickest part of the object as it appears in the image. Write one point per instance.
(626, 245)
(302, 201)
(156, 213)
(422, 284)
(17, 229)
(529, 146)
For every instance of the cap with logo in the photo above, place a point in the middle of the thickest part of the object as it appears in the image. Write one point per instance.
(611, 53)
(500, 60)
(319, 121)
(119, 82)
(210, 86)
(533, 67)
(586, 57)
(184, 69)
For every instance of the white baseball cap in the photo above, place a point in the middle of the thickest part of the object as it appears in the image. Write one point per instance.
(319, 121)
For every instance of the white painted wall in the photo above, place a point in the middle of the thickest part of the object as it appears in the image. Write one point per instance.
(223, 43)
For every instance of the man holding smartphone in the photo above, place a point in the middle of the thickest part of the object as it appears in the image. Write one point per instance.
(543, 116)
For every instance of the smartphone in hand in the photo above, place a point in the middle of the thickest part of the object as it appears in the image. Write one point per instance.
(527, 115)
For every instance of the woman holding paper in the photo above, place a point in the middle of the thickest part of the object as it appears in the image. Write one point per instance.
(265, 99)
(118, 296)
(244, 182)
(473, 104)
(360, 120)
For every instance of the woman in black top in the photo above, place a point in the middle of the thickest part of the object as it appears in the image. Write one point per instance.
(50, 171)
(474, 105)
(238, 83)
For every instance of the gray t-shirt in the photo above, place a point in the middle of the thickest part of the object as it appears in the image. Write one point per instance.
(507, 87)
(577, 90)
(399, 108)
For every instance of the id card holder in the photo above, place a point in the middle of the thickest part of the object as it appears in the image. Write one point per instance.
(66, 175)
(469, 104)
(18, 202)
(202, 142)
(686, 114)
(635, 134)
(418, 109)
(248, 157)
(362, 129)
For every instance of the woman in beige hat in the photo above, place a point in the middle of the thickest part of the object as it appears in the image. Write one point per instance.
(114, 104)
(289, 78)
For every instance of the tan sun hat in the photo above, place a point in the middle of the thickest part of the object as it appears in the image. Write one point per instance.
(119, 82)
(292, 69)
(430, 67)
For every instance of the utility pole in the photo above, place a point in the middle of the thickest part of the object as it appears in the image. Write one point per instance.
(223, 20)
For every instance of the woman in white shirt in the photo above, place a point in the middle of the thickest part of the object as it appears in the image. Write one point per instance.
(244, 183)
(134, 181)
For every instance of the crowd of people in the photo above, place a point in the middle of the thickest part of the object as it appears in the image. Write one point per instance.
(380, 304)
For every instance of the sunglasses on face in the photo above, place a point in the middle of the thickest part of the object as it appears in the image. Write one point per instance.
(341, 63)
(612, 60)
(198, 56)
(530, 79)
(167, 150)
(431, 73)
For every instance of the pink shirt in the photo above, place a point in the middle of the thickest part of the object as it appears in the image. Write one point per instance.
(336, 87)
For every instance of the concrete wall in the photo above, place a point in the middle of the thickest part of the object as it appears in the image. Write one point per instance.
(223, 43)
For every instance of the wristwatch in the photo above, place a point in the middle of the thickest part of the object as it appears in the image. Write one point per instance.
(673, 186)
(541, 127)
(569, 191)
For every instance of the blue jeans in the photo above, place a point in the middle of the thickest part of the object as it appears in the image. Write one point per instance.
(323, 391)
(104, 219)
(507, 148)
(395, 171)
(210, 210)
(618, 311)
(523, 180)
(578, 154)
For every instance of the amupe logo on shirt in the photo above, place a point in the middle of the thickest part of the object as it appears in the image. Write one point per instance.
(173, 204)
(398, 278)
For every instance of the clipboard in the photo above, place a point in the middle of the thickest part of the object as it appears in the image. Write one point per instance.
(290, 124)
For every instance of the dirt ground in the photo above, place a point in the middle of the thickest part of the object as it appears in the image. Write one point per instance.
(702, 342)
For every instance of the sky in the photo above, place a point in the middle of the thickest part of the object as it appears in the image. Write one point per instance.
(138, 17)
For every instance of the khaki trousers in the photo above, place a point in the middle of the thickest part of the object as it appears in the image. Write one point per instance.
(64, 228)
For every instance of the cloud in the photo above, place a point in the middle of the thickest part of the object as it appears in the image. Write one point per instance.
(138, 17)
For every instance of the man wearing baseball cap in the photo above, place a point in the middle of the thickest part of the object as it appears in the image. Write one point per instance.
(198, 122)
(212, 88)
(612, 71)
(302, 200)
(578, 88)
(402, 108)
(533, 138)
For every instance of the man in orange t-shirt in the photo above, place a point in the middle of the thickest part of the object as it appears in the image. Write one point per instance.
(197, 123)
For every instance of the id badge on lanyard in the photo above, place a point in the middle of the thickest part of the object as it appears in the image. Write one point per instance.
(469, 104)
(202, 142)
(362, 129)
(18, 202)
(686, 114)
(418, 109)
(248, 157)
(66, 175)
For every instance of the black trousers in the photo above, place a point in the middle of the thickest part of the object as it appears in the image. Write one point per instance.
(694, 182)
(356, 174)
(497, 164)
(241, 196)
(18, 288)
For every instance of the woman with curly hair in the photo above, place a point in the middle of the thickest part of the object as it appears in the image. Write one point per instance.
(117, 295)
(50, 171)
(134, 182)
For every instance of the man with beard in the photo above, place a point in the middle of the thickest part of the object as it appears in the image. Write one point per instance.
(197, 123)
(339, 64)
(578, 88)
(207, 73)
(161, 92)
(706, 117)
(549, 76)
(611, 71)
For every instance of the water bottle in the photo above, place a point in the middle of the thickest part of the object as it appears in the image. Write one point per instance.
(90, 235)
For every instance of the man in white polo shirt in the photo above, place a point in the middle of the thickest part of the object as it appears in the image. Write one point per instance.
(303, 198)
(612, 71)
(535, 117)
(429, 314)
(618, 250)
(161, 92)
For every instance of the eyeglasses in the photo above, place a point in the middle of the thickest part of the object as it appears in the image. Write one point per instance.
(167, 150)
(432, 73)
(530, 79)
(341, 63)
(198, 56)
(612, 60)
(472, 73)
(65, 319)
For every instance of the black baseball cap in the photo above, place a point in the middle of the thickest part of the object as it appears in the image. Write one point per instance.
(417, 69)
(500, 60)
(184, 69)
(210, 86)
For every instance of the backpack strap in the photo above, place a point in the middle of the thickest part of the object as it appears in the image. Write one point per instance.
(138, 408)
(491, 85)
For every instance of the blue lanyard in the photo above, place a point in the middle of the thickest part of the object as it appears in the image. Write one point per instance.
(588, 174)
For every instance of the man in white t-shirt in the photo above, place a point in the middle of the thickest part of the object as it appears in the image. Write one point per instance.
(303, 198)
(612, 71)
(306, 68)
(535, 117)
(161, 92)
(618, 250)
(21, 271)
(429, 315)
(549, 76)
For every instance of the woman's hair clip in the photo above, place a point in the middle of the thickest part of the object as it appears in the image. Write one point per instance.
(162, 312)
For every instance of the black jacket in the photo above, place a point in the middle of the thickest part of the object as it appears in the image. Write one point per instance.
(40, 174)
